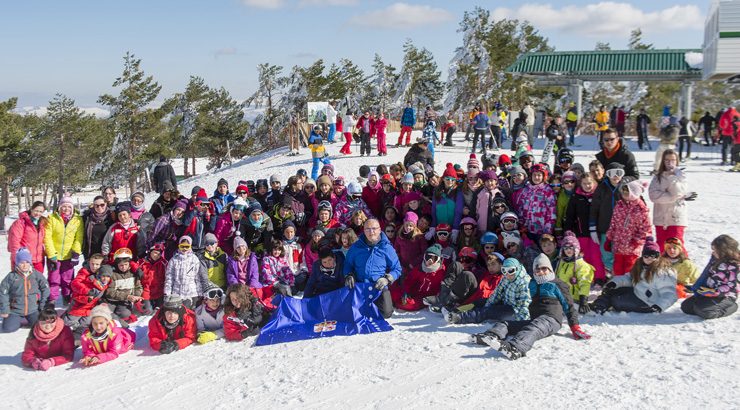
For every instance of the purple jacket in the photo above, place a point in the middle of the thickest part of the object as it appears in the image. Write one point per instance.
(251, 278)
(410, 250)
(448, 210)
(167, 230)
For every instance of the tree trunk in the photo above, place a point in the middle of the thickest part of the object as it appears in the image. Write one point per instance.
(185, 165)
(193, 162)
(19, 194)
(4, 193)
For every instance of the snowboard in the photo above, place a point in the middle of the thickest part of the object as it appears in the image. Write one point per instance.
(547, 151)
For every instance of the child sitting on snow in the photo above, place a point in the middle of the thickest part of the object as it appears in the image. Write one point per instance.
(22, 292)
(125, 287)
(242, 314)
(686, 271)
(104, 341)
(88, 288)
(715, 292)
(575, 271)
(421, 281)
(443, 236)
(50, 342)
(173, 327)
(209, 316)
(276, 271)
(326, 273)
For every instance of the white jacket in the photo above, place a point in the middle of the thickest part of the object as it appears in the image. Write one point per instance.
(661, 291)
(348, 123)
(207, 323)
(669, 208)
(331, 115)
(186, 276)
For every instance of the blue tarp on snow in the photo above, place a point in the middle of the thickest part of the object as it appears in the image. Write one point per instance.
(343, 312)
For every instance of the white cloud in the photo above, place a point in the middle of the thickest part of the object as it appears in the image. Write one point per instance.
(402, 16)
(604, 18)
(264, 4)
(226, 51)
(321, 3)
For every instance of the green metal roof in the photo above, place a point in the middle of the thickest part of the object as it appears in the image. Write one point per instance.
(608, 65)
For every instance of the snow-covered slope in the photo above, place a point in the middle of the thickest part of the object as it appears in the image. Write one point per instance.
(667, 360)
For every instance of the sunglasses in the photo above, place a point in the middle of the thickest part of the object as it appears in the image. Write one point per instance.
(184, 246)
(100, 205)
(651, 256)
(215, 294)
(508, 271)
(569, 247)
(511, 245)
(468, 227)
(615, 173)
(565, 161)
(609, 139)
(555, 185)
(569, 182)
(48, 322)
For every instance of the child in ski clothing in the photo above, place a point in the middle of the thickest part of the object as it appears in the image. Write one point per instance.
(469, 235)
(326, 273)
(568, 184)
(519, 182)
(209, 316)
(242, 314)
(153, 269)
(125, 287)
(575, 271)
(104, 341)
(538, 204)
(173, 327)
(380, 125)
(550, 302)
(63, 245)
(421, 281)
(577, 221)
(214, 259)
(352, 202)
(410, 243)
(292, 246)
(715, 292)
(509, 301)
(276, 271)
(649, 287)
(186, 276)
(485, 210)
(311, 251)
(447, 203)
(629, 226)
(686, 271)
(669, 193)
(488, 279)
(23, 292)
(50, 342)
(242, 267)
(604, 199)
(88, 287)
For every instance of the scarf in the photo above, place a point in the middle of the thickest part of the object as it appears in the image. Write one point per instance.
(583, 193)
(66, 218)
(48, 337)
(540, 279)
(104, 337)
(429, 269)
(257, 224)
(611, 153)
(34, 221)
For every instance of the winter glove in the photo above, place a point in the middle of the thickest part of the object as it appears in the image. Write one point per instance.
(42, 364)
(75, 258)
(707, 292)
(608, 245)
(252, 331)
(691, 196)
(168, 347)
(430, 234)
(583, 307)
(595, 237)
(36, 363)
(349, 281)
(139, 273)
(610, 285)
(205, 337)
(656, 308)
(300, 218)
(578, 333)
(282, 288)
(95, 293)
(53, 264)
(455, 233)
(381, 283)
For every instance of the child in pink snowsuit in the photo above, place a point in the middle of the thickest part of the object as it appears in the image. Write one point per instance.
(104, 341)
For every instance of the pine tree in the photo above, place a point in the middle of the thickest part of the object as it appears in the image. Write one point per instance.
(134, 125)
(346, 82)
(270, 122)
(419, 80)
(469, 75)
(635, 42)
(382, 81)
(221, 128)
(13, 153)
(184, 109)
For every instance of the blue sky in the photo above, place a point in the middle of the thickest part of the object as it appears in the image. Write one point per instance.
(76, 47)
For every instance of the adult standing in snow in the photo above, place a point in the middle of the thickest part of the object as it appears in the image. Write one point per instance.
(97, 220)
(707, 124)
(571, 121)
(331, 120)
(602, 122)
(348, 123)
(615, 150)
(727, 130)
(669, 192)
(641, 125)
(480, 126)
(408, 120)
(28, 232)
(163, 171)
(63, 246)
(620, 120)
(363, 125)
(529, 121)
(372, 259)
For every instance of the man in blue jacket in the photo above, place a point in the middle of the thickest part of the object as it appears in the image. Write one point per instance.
(372, 259)
(408, 120)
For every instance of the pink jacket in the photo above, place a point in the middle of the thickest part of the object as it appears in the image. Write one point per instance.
(629, 226)
(118, 342)
(23, 233)
(225, 231)
(410, 250)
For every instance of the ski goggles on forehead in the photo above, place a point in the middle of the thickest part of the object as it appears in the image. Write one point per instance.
(508, 271)
(673, 241)
(615, 173)
(215, 294)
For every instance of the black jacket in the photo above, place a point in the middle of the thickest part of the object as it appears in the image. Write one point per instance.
(602, 205)
(94, 232)
(163, 172)
(419, 153)
(624, 157)
(577, 215)
(259, 240)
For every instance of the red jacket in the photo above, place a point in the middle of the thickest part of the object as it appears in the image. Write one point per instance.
(629, 226)
(184, 334)
(152, 278)
(371, 196)
(419, 284)
(61, 349)
(82, 300)
(726, 123)
(123, 238)
(487, 283)
(237, 322)
(23, 233)
(380, 125)
(410, 251)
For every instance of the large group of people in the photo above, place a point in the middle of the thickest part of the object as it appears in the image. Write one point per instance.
(502, 238)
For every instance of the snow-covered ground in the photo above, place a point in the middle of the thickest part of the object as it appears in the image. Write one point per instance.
(667, 360)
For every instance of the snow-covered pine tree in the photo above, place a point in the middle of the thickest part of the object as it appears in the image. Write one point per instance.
(270, 122)
(134, 125)
(469, 74)
(221, 127)
(183, 109)
(419, 80)
(382, 81)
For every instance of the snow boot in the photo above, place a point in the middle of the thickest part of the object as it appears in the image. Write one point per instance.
(510, 351)
(451, 317)
(736, 168)
(491, 340)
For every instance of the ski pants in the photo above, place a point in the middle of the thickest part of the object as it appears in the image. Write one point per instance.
(480, 314)
(736, 153)
(347, 143)
(681, 140)
(316, 165)
(495, 137)
(60, 278)
(448, 137)
(522, 334)
(13, 321)
(385, 303)
(78, 324)
(709, 308)
(479, 133)
(726, 142)
(572, 133)
(623, 264)
(622, 300)
(663, 233)
(405, 130)
(365, 147)
(382, 149)
(708, 136)
(332, 131)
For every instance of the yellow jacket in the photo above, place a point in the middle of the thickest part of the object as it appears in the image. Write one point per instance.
(61, 240)
(686, 272)
(216, 265)
(602, 120)
(583, 274)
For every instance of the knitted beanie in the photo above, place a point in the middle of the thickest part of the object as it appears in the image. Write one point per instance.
(473, 162)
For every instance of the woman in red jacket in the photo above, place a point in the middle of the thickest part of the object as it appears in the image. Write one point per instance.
(28, 232)
(173, 327)
(49, 344)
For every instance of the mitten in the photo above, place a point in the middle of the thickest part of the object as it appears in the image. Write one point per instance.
(608, 245)
(430, 234)
(205, 337)
(691, 196)
(583, 305)
(349, 281)
(381, 283)
(75, 258)
(656, 308)
(611, 285)
(455, 233)
(578, 333)
(36, 363)
(252, 331)
(167, 347)
(46, 364)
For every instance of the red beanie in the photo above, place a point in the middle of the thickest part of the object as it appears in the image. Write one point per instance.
(450, 171)
(242, 188)
(473, 162)
(504, 159)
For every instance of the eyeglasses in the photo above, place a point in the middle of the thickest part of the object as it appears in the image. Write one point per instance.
(509, 271)
(100, 205)
(569, 182)
(215, 294)
(618, 172)
(609, 139)
(48, 322)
